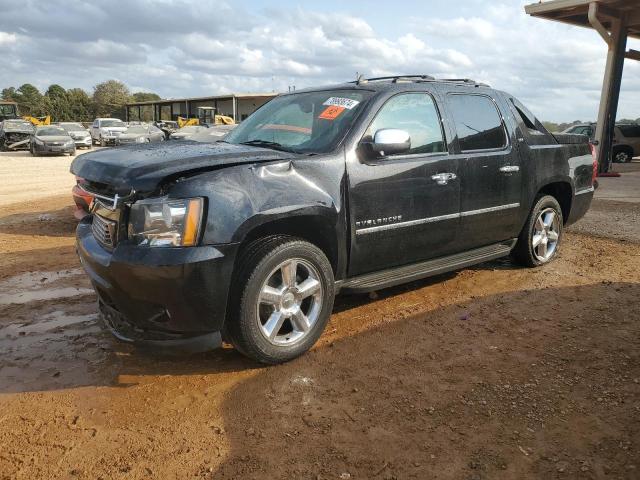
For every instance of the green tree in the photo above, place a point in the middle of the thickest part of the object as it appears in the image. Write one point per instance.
(30, 100)
(56, 103)
(79, 105)
(109, 98)
(8, 94)
(145, 97)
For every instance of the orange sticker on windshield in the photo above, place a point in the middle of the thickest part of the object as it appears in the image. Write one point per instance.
(331, 112)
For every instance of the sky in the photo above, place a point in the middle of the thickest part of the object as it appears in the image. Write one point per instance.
(184, 48)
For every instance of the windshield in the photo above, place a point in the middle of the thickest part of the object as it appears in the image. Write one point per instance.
(112, 123)
(50, 131)
(17, 125)
(137, 129)
(72, 127)
(312, 122)
(7, 109)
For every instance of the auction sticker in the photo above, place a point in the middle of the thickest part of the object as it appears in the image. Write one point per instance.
(331, 113)
(347, 103)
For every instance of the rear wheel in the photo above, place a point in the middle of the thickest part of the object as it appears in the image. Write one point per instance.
(540, 238)
(622, 155)
(282, 298)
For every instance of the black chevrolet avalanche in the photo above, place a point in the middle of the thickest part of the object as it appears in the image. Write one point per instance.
(347, 188)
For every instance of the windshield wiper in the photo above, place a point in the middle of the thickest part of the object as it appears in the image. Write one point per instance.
(268, 144)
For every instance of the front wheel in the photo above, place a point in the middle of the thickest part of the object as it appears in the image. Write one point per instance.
(282, 298)
(540, 238)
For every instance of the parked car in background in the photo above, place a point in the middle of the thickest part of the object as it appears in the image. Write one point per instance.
(52, 140)
(353, 188)
(626, 142)
(186, 132)
(143, 133)
(105, 131)
(80, 135)
(168, 127)
(626, 139)
(15, 134)
(212, 134)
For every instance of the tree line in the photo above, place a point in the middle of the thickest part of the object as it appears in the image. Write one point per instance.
(75, 104)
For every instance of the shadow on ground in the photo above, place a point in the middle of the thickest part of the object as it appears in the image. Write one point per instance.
(532, 384)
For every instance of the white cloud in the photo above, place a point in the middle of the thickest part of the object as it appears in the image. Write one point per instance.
(7, 38)
(192, 48)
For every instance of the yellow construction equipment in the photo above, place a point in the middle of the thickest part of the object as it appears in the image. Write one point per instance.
(206, 115)
(38, 121)
(187, 122)
(223, 120)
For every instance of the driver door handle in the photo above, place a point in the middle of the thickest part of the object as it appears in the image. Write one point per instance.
(510, 169)
(443, 178)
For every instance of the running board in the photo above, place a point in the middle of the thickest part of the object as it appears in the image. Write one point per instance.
(407, 273)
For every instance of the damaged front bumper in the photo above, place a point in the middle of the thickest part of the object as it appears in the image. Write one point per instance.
(16, 141)
(160, 298)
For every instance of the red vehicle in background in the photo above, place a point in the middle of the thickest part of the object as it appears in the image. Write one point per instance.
(82, 199)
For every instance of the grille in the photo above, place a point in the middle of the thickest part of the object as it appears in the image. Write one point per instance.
(104, 231)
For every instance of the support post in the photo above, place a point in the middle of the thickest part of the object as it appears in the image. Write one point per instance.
(234, 101)
(617, 45)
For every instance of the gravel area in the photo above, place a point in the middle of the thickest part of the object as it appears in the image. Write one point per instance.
(493, 372)
(25, 177)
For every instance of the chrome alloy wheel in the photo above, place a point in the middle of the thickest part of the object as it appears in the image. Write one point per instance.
(546, 233)
(290, 302)
(622, 157)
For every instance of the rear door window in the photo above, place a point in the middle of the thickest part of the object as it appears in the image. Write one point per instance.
(478, 123)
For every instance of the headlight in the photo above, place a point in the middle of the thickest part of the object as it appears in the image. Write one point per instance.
(166, 222)
(38, 141)
(68, 143)
(140, 139)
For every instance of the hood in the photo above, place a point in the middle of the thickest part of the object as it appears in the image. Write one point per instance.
(115, 129)
(144, 166)
(80, 133)
(54, 138)
(132, 136)
(17, 129)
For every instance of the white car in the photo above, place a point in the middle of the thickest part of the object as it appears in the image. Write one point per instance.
(105, 131)
(80, 135)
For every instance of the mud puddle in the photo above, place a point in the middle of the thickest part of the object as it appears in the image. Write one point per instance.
(40, 286)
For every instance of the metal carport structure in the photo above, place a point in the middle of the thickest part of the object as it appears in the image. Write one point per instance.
(615, 21)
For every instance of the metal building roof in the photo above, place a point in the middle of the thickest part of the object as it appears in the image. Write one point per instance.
(576, 12)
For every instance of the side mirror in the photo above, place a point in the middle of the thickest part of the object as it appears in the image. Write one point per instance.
(390, 141)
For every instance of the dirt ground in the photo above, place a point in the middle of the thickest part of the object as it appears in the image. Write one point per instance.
(493, 372)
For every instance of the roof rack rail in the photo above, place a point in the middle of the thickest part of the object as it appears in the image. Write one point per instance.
(394, 78)
(463, 80)
(418, 78)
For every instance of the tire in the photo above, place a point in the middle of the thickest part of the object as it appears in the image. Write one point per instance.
(622, 155)
(274, 331)
(548, 233)
(103, 143)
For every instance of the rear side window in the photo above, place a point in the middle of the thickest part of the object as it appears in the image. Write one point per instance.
(415, 113)
(630, 131)
(478, 123)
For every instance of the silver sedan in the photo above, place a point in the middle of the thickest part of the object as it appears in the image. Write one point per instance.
(140, 134)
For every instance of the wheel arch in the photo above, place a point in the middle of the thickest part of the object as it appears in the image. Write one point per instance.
(317, 229)
(562, 191)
